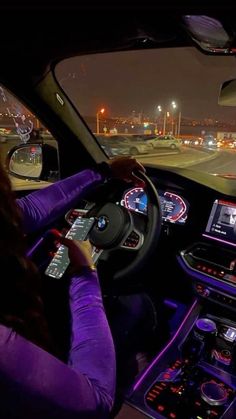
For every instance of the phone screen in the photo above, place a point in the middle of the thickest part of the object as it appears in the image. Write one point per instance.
(78, 231)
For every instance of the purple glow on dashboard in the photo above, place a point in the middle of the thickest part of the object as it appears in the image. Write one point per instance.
(219, 240)
(165, 348)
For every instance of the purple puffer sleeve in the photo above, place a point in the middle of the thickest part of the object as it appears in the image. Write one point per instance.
(44, 206)
(36, 385)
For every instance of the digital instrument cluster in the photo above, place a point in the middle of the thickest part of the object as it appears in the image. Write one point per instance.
(174, 207)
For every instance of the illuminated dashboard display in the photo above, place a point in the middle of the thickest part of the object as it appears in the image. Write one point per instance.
(174, 207)
(221, 225)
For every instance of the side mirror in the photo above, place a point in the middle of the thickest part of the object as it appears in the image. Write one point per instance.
(34, 161)
(227, 96)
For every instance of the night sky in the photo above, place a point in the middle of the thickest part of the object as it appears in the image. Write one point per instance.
(140, 80)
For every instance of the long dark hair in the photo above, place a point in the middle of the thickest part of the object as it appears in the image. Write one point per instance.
(21, 307)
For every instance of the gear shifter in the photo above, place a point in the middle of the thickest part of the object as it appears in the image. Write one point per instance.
(201, 338)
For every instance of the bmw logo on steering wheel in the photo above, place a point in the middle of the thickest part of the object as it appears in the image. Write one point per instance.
(102, 223)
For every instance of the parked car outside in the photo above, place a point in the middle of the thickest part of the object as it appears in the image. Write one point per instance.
(192, 141)
(112, 148)
(209, 142)
(122, 144)
(226, 143)
(138, 145)
(166, 141)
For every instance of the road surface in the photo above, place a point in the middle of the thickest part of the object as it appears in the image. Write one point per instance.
(214, 162)
(224, 163)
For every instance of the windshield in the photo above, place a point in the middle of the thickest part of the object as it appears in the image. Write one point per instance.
(160, 105)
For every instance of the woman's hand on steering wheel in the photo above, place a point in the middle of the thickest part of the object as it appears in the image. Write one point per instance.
(126, 168)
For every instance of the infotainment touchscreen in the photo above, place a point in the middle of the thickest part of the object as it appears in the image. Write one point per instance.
(221, 224)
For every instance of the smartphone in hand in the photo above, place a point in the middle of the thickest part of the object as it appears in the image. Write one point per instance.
(78, 231)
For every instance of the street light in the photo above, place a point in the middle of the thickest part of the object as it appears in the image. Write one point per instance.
(179, 123)
(167, 114)
(174, 106)
(175, 131)
(97, 116)
(159, 109)
(177, 126)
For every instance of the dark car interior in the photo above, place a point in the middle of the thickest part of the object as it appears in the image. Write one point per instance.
(178, 255)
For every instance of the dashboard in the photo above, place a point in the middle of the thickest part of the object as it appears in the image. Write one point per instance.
(207, 240)
(199, 231)
(174, 207)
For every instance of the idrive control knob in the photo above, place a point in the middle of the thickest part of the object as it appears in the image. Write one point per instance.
(213, 393)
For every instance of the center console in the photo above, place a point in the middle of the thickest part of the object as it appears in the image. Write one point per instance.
(194, 376)
(211, 263)
(187, 387)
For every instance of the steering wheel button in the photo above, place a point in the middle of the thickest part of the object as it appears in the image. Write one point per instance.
(160, 408)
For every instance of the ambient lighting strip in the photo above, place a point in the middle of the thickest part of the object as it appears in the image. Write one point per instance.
(165, 347)
(219, 240)
(34, 247)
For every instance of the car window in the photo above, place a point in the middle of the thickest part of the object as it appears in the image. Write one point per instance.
(118, 93)
(18, 126)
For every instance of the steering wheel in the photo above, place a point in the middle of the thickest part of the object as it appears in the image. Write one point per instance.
(118, 228)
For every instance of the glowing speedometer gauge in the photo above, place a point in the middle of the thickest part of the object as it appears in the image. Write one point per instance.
(135, 200)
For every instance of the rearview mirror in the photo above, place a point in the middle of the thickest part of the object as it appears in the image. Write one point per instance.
(227, 96)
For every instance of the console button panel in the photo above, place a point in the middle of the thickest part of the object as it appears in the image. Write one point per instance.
(214, 295)
(212, 261)
(186, 391)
